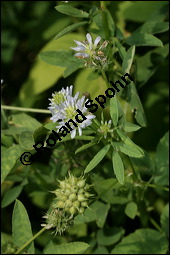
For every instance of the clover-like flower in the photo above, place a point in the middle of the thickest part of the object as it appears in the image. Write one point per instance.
(105, 128)
(65, 107)
(90, 51)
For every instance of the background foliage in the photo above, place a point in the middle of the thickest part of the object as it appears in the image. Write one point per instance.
(123, 219)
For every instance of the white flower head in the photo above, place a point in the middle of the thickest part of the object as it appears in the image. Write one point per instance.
(90, 51)
(64, 107)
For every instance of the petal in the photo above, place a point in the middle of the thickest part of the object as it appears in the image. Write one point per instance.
(80, 43)
(97, 40)
(85, 55)
(89, 38)
(80, 131)
(78, 48)
(73, 133)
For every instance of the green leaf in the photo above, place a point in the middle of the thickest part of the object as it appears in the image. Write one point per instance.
(129, 142)
(121, 49)
(153, 27)
(131, 210)
(114, 113)
(56, 58)
(50, 126)
(97, 158)
(103, 186)
(66, 248)
(38, 83)
(142, 241)
(130, 127)
(87, 86)
(84, 147)
(21, 227)
(97, 212)
(101, 211)
(71, 11)
(110, 24)
(101, 250)
(165, 220)
(150, 62)
(136, 105)
(162, 161)
(24, 120)
(9, 158)
(143, 39)
(128, 60)
(70, 29)
(26, 140)
(6, 140)
(137, 11)
(109, 236)
(131, 150)
(118, 167)
(11, 195)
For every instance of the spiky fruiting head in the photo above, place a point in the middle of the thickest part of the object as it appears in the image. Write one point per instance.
(72, 196)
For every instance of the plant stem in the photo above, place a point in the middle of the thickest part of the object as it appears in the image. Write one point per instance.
(6, 107)
(105, 78)
(32, 239)
(102, 5)
(156, 186)
(155, 225)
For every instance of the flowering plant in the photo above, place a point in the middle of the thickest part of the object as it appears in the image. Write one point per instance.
(94, 74)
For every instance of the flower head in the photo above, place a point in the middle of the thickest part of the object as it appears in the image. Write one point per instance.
(59, 220)
(105, 128)
(64, 107)
(90, 51)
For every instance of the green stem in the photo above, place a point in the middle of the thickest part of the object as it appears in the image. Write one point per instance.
(32, 239)
(155, 225)
(6, 107)
(156, 186)
(105, 78)
(102, 5)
